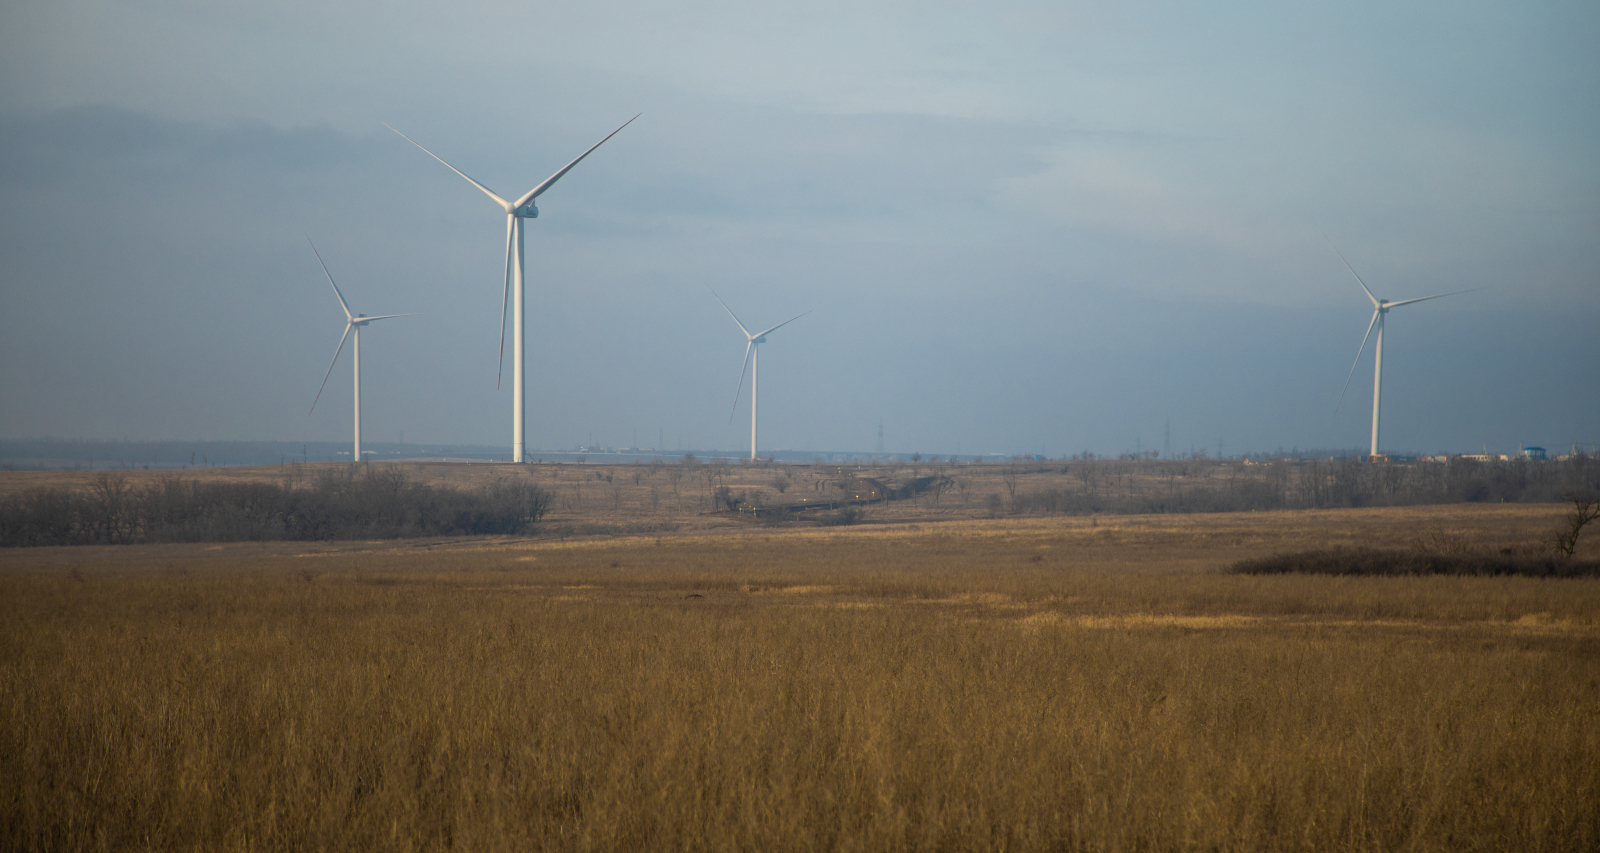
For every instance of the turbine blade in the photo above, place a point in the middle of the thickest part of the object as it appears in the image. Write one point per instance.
(1370, 324)
(505, 296)
(1352, 270)
(1426, 298)
(748, 345)
(734, 316)
(388, 317)
(550, 181)
(342, 304)
(781, 325)
(486, 191)
(347, 328)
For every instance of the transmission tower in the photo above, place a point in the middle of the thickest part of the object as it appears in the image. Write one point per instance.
(880, 435)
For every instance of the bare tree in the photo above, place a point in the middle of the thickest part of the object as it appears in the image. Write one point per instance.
(781, 482)
(712, 474)
(1584, 510)
(111, 517)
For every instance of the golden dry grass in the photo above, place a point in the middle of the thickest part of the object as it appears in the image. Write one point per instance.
(1036, 684)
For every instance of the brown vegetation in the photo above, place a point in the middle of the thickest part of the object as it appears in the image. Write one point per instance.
(1087, 684)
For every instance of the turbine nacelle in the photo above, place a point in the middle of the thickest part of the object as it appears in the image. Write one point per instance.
(527, 211)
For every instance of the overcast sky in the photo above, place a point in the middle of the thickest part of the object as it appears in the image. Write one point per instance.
(1043, 228)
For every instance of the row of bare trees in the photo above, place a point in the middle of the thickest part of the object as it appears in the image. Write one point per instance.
(1197, 486)
(343, 503)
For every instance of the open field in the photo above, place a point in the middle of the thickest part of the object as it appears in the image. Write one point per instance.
(1084, 683)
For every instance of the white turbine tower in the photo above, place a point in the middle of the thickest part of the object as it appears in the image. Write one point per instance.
(752, 358)
(516, 211)
(1380, 309)
(353, 323)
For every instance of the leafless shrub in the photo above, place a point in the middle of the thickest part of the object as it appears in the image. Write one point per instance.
(1584, 510)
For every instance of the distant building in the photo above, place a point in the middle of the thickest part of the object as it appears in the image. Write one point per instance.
(1533, 453)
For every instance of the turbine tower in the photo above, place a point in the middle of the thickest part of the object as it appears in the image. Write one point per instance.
(353, 323)
(1380, 309)
(516, 212)
(752, 357)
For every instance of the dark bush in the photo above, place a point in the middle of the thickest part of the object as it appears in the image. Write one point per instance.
(1372, 561)
(845, 515)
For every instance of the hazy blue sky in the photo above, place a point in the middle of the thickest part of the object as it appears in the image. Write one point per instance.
(1020, 227)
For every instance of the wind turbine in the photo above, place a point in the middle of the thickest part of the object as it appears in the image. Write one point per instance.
(353, 323)
(516, 211)
(752, 357)
(1380, 309)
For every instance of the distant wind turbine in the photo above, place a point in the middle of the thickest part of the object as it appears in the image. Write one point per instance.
(353, 323)
(516, 211)
(752, 356)
(1380, 308)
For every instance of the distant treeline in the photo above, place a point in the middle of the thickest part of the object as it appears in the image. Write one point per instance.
(341, 503)
(1133, 487)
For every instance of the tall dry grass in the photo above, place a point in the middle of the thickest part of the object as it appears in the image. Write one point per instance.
(928, 690)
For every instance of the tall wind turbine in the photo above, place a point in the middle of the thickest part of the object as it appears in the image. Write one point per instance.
(1380, 309)
(752, 357)
(353, 323)
(516, 211)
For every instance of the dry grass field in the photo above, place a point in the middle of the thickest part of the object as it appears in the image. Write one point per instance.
(1035, 684)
